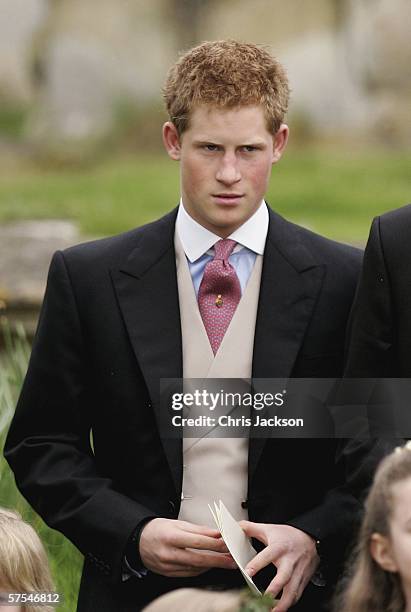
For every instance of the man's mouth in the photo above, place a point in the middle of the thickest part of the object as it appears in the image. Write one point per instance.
(228, 198)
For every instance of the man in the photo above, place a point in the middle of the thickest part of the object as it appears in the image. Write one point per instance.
(380, 343)
(221, 287)
(379, 339)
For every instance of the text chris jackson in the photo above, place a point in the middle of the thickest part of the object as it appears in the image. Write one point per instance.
(228, 421)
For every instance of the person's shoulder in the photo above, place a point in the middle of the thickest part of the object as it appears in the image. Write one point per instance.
(396, 224)
(113, 250)
(322, 250)
(390, 239)
(397, 217)
(329, 249)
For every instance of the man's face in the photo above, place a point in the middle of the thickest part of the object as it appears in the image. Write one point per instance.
(225, 164)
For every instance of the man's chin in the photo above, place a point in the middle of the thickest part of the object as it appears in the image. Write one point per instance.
(231, 219)
(224, 229)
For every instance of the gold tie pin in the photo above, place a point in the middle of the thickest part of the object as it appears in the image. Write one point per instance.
(219, 300)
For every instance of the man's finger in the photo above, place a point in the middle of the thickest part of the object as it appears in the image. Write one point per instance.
(189, 573)
(262, 559)
(186, 539)
(291, 594)
(211, 559)
(177, 571)
(203, 559)
(254, 530)
(202, 529)
(282, 578)
(275, 586)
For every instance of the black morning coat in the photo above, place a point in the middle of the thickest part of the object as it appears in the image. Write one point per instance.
(380, 338)
(109, 330)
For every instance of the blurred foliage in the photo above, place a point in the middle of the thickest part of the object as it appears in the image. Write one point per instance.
(65, 560)
(12, 120)
(134, 129)
(303, 131)
(255, 603)
(333, 192)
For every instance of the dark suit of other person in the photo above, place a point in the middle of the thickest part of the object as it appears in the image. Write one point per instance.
(380, 342)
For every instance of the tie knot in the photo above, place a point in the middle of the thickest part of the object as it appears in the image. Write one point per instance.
(224, 248)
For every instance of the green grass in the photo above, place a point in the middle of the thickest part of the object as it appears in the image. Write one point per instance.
(334, 193)
(338, 194)
(65, 560)
(110, 198)
(12, 120)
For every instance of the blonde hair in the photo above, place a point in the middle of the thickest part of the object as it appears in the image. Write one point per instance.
(226, 74)
(24, 565)
(197, 600)
(368, 587)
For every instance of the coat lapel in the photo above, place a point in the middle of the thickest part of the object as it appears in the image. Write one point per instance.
(290, 282)
(146, 287)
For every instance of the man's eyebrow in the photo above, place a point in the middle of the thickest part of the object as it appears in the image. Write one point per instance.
(245, 143)
(253, 143)
(202, 141)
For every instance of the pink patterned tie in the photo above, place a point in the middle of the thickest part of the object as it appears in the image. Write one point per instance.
(219, 293)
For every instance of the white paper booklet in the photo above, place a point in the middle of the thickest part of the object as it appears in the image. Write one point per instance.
(235, 539)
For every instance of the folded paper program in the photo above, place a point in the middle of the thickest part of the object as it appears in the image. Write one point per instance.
(235, 539)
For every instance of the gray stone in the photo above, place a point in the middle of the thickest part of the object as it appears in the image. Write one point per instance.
(357, 77)
(19, 19)
(90, 55)
(97, 55)
(25, 253)
(26, 248)
(323, 88)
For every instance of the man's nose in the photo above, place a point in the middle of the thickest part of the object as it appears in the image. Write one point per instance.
(228, 171)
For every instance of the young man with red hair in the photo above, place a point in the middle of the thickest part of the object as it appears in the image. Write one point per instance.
(221, 287)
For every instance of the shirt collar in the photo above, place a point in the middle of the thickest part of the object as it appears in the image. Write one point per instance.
(197, 240)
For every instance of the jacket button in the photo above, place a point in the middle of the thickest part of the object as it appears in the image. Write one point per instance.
(244, 504)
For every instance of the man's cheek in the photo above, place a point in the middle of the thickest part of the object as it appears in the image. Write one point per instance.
(195, 178)
(259, 177)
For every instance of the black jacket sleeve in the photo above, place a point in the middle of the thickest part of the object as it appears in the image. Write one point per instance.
(49, 444)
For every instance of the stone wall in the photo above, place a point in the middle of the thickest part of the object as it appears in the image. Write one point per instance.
(19, 20)
(97, 53)
(349, 60)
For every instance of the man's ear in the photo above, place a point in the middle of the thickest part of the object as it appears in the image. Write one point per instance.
(280, 140)
(381, 552)
(171, 140)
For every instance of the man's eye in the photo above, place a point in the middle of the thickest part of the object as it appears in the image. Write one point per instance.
(210, 147)
(249, 148)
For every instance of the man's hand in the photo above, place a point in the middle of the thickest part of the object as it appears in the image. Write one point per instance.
(178, 548)
(294, 554)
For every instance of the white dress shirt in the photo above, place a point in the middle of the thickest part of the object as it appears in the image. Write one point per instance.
(198, 243)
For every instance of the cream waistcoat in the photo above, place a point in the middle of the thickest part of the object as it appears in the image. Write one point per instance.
(215, 468)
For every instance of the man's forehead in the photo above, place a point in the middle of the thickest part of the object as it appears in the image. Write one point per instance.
(214, 111)
(208, 121)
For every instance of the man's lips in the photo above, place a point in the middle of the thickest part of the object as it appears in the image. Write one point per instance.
(228, 198)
